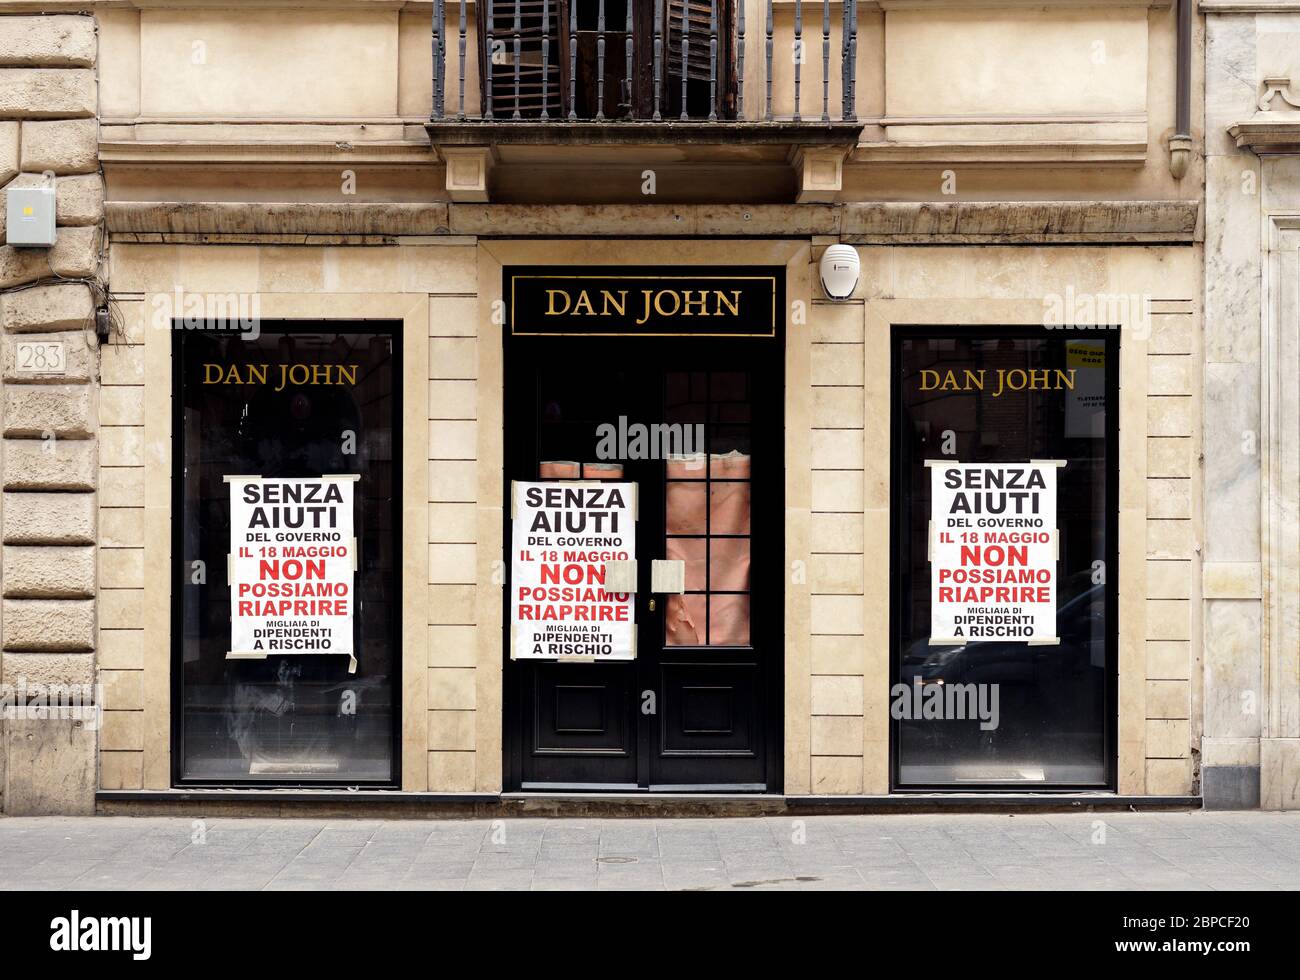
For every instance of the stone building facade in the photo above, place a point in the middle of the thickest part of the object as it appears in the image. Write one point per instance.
(1252, 715)
(1015, 180)
(49, 134)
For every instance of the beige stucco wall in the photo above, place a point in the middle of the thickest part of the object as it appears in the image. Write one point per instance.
(274, 101)
(407, 284)
(1159, 501)
(1083, 90)
(837, 484)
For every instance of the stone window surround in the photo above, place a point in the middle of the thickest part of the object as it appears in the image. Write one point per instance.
(413, 311)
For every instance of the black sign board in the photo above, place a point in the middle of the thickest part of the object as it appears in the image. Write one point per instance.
(645, 301)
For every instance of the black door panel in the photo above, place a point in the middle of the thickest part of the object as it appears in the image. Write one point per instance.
(582, 708)
(708, 709)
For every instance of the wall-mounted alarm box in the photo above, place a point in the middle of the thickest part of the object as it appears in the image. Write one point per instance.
(30, 216)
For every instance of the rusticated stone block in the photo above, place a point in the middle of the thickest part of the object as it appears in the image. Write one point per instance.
(8, 152)
(78, 201)
(20, 265)
(64, 146)
(46, 93)
(67, 411)
(49, 625)
(49, 572)
(62, 306)
(75, 255)
(61, 40)
(79, 361)
(46, 669)
(50, 464)
(51, 767)
(49, 518)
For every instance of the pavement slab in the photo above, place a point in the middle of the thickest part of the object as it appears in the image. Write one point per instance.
(1192, 850)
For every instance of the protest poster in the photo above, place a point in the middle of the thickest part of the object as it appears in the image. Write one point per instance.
(993, 551)
(292, 565)
(563, 535)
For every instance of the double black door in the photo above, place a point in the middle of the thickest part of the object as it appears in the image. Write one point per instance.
(696, 424)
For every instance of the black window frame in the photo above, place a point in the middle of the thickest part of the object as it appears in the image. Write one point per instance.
(179, 564)
(1110, 335)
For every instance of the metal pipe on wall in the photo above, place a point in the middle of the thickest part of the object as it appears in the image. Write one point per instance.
(1180, 143)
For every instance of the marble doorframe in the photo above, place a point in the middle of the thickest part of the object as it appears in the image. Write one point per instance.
(1280, 724)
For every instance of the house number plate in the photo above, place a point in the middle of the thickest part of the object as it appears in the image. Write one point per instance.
(41, 357)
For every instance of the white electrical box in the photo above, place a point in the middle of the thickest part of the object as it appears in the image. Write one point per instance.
(30, 216)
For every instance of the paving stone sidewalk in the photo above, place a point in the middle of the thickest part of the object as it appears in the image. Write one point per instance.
(905, 851)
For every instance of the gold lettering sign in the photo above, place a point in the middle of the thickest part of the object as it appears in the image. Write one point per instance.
(281, 376)
(648, 301)
(998, 382)
(666, 303)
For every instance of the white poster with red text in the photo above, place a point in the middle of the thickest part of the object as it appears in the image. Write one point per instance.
(993, 551)
(292, 568)
(563, 535)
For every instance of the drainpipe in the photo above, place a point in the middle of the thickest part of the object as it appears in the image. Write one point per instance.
(1180, 144)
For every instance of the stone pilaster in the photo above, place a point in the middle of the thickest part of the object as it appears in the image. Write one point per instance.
(48, 408)
(1251, 744)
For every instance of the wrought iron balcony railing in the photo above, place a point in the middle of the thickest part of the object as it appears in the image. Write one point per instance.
(644, 61)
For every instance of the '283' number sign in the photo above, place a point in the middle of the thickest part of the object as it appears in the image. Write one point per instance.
(40, 357)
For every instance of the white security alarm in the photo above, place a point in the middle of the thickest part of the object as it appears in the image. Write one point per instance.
(839, 271)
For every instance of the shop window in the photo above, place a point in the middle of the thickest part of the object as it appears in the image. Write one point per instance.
(1004, 557)
(286, 504)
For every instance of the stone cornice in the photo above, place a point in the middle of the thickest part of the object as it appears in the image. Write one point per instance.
(1022, 221)
(171, 152)
(78, 6)
(887, 223)
(1250, 6)
(1269, 132)
(70, 6)
(888, 5)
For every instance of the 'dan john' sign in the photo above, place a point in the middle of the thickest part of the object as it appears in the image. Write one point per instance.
(645, 301)
(292, 567)
(993, 550)
(563, 535)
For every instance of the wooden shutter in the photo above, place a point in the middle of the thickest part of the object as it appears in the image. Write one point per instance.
(696, 16)
(532, 84)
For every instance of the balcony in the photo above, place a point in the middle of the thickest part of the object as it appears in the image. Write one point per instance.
(562, 85)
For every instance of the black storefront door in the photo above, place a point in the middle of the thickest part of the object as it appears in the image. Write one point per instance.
(700, 706)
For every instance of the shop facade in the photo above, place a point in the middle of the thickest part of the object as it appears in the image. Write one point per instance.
(441, 459)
